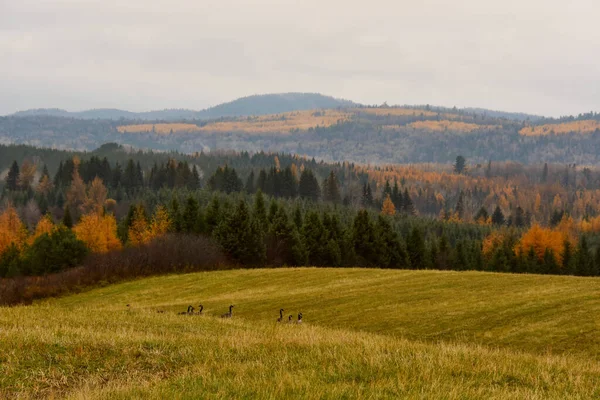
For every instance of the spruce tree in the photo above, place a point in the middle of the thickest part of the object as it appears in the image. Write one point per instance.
(12, 179)
(583, 265)
(177, 224)
(460, 206)
(67, 218)
(331, 190)
(250, 183)
(308, 187)
(415, 246)
(298, 217)
(241, 237)
(568, 260)
(284, 246)
(191, 216)
(363, 237)
(213, 214)
(259, 211)
(498, 217)
(314, 239)
(407, 205)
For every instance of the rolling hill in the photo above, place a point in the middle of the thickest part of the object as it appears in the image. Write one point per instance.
(366, 333)
(245, 106)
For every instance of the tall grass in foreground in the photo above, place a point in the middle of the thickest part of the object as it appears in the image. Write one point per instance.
(85, 353)
(367, 334)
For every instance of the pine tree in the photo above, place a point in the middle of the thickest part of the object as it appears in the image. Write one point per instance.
(331, 190)
(12, 179)
(284, 246)
(363, 238)
(397, 196)
(407, 206)
(241, 237)
(460, 206)
(298, 217)
(498, 217)
(259, 213)
(308, 187)
(314, 239)
(67, 218)
(545, 173)
(459, 165)
(568, 260)
(583, 264)
(194, 179)
(250, 183)
(213, 215)
(191, 216)
(415, 246)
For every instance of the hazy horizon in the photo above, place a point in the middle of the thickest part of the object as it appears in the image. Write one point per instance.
(532, 57)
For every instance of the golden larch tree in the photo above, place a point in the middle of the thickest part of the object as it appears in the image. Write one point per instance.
(98, 232)
(96, 197)
(44, 225)
(161, 223)
(12, 230)
(541, 239)
(388, 206)
(138, 230)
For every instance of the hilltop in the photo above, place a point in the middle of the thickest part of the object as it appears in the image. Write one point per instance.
(325, 128)
(245, 106)
(366, 333)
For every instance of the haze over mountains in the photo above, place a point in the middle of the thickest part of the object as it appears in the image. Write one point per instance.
(323, 127)
(246, 106)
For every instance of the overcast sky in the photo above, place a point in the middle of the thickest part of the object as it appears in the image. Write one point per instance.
(537, 56)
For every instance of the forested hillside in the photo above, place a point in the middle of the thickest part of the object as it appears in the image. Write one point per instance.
(61, 210)
(368, 135)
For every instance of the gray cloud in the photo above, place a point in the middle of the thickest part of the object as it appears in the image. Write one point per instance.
(536, 56)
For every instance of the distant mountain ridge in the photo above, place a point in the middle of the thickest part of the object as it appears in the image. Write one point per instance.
(251, 105)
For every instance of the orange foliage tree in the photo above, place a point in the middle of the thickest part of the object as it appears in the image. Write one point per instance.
(388, 206)
(12, 230)
(44, 225)
(161, 222)
(138, 230)
(98, 232)
(541, 239)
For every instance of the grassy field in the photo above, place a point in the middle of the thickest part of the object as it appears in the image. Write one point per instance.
(366, 334)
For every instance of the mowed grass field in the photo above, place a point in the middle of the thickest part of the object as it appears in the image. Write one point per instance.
(366, 334)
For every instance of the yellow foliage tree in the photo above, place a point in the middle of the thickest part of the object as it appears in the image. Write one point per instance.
(44, 225)
(388, 206)
(98, 232)
(12, 230)
(541, 239)
(96, 197)
(161, 222)
(45, 185)
(138, 230)
(26, 174)
(76, 195)
(492, 242)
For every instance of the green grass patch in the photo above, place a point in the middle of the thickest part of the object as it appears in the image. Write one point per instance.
(366, 333)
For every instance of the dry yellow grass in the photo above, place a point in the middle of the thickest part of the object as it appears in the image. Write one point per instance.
(280, 123)
(586, 126)
(161, 129)
(445, 125)
(366, 334)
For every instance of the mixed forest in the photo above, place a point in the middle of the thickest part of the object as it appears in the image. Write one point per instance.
(323, 128)
(70, 219)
